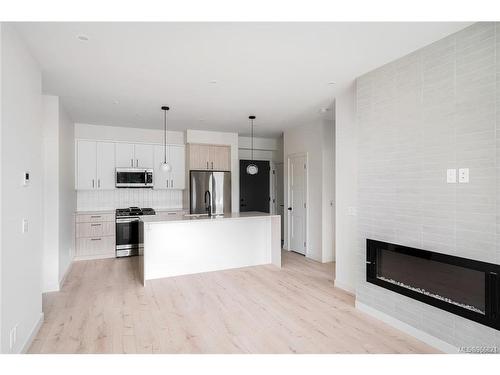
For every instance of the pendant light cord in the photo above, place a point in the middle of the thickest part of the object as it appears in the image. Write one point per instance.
(165, 136)
(252, 139)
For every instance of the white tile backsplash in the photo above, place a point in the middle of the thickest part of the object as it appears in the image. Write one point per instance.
(89, 200)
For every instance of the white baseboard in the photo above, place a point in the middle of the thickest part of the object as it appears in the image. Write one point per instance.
(406, 328)
(63, 278)
(31, 337)
(346, 288)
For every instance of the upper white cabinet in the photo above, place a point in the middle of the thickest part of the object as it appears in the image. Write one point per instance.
(176, 178)
(105, 165)
(86, 165)
(125, 155)
(129, 155)
(143, 156)
(95, 165)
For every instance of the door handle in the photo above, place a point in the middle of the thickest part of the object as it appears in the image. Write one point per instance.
(289, 208)
(171, 183)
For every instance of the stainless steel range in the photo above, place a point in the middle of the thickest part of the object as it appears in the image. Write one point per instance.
(128, 237)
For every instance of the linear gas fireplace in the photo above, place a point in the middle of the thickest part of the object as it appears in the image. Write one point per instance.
(465, 287)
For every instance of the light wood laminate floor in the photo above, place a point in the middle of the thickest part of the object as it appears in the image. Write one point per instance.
(103, 308)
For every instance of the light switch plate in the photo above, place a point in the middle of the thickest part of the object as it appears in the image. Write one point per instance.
(451, 176)
(25, 226)
(463, 175)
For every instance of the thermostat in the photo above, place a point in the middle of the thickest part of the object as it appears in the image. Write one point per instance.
(26, 179)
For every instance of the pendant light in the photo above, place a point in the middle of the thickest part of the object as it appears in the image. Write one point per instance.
(252, 168)
(165, 165)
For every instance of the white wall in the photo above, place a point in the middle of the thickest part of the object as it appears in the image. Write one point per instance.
(59, 192)
(126, 134)
(309, 139)
(21, 138)
(328, 192)
(222, 138)
(67, 193)
(346, 174)
(50, 258)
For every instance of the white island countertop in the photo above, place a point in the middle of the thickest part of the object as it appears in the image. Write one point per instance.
(182, 218)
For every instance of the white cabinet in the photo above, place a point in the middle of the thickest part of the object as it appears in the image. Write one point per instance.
(105, 165)
(125, 155)
(143, 156)
(95, 165)
(86, 165)
(129, 155)
(95, 236)
(177, 156)
(176, 178)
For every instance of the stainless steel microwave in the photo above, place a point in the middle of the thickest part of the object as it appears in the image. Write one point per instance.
(134, 178)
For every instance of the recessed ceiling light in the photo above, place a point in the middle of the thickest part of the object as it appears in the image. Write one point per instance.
(116, 102)
(213, 81)
(82, 37)
(331, 83)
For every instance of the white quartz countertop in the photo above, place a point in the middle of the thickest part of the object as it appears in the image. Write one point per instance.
(194, 218)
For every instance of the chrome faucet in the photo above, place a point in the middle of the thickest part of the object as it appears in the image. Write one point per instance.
(208, 207)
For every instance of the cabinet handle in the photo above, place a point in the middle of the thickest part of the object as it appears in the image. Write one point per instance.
(95, 239)
(92, 183)
(131, 162)
(207, 164)
(95, 225)
(99, 183)
(172, 183)
(136, 162)
(95, 217)
(167, 183)
(212, 165)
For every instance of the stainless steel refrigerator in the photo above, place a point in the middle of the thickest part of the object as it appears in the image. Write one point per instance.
(209, 187)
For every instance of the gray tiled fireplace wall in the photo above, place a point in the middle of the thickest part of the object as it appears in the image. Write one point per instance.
(434, 109)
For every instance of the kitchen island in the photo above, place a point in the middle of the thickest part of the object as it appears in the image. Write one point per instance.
(189, 244)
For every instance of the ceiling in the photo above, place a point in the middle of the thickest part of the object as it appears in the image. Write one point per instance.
(213, 75)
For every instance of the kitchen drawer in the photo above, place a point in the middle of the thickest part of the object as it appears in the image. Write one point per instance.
(91, 246)
(94, 218)
(106, 228)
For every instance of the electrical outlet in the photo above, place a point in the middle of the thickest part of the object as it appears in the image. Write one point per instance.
(463, 175)
(451, 176)
(13, 338)
(25, 226)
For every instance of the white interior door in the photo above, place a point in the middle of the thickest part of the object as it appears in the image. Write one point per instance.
(297, 193)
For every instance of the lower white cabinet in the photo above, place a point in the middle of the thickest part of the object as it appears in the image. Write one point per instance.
(176, 178)
(95, 236)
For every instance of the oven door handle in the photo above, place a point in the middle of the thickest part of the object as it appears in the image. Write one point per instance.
(127, 220)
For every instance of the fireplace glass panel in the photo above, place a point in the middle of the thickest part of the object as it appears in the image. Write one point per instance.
(460, 286)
